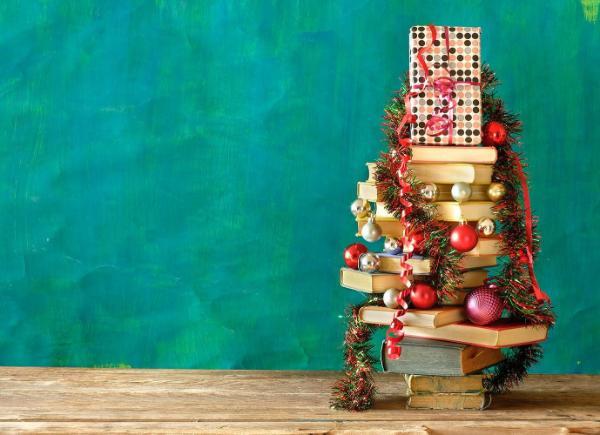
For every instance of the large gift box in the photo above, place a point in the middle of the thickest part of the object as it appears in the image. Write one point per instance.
(445, 77)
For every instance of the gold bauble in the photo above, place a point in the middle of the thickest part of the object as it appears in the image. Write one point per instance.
(360, 208)
(430, 192)
(496, 191)
(486, 226)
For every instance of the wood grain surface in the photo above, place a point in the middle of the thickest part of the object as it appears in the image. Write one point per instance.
(58, 400)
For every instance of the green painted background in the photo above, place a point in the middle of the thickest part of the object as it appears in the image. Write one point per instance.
(175, 175)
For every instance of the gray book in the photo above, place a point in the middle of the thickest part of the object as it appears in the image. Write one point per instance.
(432, 357)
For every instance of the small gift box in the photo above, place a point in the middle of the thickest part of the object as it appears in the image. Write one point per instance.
(445, 78)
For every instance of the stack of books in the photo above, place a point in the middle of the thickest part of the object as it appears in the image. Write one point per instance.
(444, 354)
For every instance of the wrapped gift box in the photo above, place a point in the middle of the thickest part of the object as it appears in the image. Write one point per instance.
(450, 90)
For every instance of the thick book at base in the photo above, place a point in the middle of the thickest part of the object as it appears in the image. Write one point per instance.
(433, 357)
(419, 384)
(432, 318)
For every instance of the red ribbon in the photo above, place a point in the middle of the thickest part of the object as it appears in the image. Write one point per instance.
(539, 294)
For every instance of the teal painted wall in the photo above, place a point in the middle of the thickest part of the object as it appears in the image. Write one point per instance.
(175, 175)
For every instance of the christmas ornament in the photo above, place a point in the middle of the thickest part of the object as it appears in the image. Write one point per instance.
(463, 237)
(371, 231)
(486, 226)
(496, 191)
(392, 245)
(390, 298)
(415, 242)
(494, 134)
(430, 192)
(368, 262)
(461, 192)
(352, 253)
(360, 208)
(423, 296)
(483, 306)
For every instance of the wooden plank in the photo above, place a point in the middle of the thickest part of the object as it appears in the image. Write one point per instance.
(124, 400)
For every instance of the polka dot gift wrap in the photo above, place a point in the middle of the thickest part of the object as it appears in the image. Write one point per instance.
(445, 75)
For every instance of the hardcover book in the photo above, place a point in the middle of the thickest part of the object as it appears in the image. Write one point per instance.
(433, 357)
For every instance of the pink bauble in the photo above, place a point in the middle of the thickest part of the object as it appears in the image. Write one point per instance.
(483, 306)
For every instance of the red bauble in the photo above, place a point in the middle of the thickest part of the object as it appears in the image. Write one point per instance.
(423, 296)
(417, 240)
(463, 237)
(483, 306)
(494, 133)
(352, 253)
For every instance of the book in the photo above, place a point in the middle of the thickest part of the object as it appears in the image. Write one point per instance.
(389, 227)
(454, 401)
(422, 266)
(450, 211)
(450, 173)
(369, 282)
(368, 190)
(497, 335)
(457, 297)
(418, 384)
(486, 246)
(432, 318)
(453, 154)
(371, 167)
(453, 211)
(433, 357)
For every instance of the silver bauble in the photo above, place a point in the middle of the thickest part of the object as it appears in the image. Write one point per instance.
(368, 262)
(371, 231)
(461, 191)
(390, 298)
(360, 208)
(430, 192)
(392, 245)
(486, 226)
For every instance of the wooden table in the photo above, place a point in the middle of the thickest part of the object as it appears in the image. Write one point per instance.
(199, 401)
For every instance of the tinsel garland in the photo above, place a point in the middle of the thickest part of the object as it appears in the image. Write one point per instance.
(355, 391)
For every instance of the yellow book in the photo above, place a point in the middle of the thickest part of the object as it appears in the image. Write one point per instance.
(432, 318)
(368, 191)
(457, 297)
(418, 384)
(452, 211)
(486, 246)
(450, 173)
(497, 335)
(390, 227)
(453, 154)
(369, 282)
(371, 167)
(453, 401)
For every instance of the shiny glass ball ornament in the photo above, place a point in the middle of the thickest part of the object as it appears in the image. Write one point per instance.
(483, 306)
(463, 237)
(368, 262)
(360, 208)
(423, 296)
(392, 245)
(496, 191)
(352, 253)
(461, 191)
(486, 226)
(390, 298)
(430, 192)
(494, 134)
(371, 231)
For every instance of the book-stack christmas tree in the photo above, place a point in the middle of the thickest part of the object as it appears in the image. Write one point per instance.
(455, 285)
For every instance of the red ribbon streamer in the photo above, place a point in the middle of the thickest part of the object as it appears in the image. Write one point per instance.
(539, 294)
